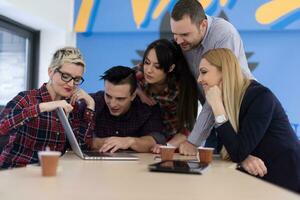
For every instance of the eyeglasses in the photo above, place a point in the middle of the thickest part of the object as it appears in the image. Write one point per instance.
(67, 78)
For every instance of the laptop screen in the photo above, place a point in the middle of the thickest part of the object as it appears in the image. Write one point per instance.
(69, 132)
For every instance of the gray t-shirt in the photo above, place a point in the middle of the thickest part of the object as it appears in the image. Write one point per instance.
(219, 34)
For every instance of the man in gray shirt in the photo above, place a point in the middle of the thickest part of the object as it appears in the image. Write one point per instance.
(196, 33)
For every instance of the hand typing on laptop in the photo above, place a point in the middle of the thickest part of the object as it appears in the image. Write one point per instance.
(113, 144)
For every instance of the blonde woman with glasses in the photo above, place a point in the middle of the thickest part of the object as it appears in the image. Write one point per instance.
(30, 119)
(250, 121)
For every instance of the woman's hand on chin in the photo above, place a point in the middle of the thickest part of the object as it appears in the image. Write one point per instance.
(214, 99)
(80, 94)
(213, 95)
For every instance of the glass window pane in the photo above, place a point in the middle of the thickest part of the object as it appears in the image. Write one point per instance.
(13, 64)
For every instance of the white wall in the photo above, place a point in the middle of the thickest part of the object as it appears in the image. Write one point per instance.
(54, 18)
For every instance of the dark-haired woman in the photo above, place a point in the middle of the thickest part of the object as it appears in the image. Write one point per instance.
(166, 80)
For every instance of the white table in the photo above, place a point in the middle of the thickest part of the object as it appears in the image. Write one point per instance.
(105, 180)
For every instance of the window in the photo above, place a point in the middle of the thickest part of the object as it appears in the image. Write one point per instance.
(18, 59)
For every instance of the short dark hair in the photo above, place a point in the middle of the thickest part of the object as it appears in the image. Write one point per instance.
(119, 75)
(191, 8)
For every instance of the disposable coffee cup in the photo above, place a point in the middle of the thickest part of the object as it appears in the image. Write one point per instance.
(167, 152)
(49, 162)
(205, 154)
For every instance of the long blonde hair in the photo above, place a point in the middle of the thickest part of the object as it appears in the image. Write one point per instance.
(234, 85)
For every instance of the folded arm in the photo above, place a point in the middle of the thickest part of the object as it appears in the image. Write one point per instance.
(254, 166)
(253, 127)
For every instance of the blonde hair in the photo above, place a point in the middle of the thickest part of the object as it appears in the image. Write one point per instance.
(67, 55)
(234, 85)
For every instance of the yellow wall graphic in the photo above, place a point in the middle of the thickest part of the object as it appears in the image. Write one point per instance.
(273, 10)
(161, 6)
(139, 10)
(84, 15)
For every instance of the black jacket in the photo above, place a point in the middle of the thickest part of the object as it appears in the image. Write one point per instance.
(264, 132)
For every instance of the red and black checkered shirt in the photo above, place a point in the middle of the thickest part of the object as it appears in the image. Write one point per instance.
(167, 100)
(31, 131)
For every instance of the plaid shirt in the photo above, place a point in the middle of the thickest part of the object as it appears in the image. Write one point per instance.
(167, 100)
(31, 131)
(139, 120)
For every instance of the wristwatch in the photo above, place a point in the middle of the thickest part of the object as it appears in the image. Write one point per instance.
(220, 119)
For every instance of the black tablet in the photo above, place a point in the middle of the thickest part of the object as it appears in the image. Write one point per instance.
(178, 166)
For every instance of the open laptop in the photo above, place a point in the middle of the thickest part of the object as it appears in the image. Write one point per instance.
(88, 155)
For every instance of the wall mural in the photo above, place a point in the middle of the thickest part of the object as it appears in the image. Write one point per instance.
(277, 13)
(116, 32)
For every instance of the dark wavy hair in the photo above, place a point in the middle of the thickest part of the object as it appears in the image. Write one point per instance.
(169, 53)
